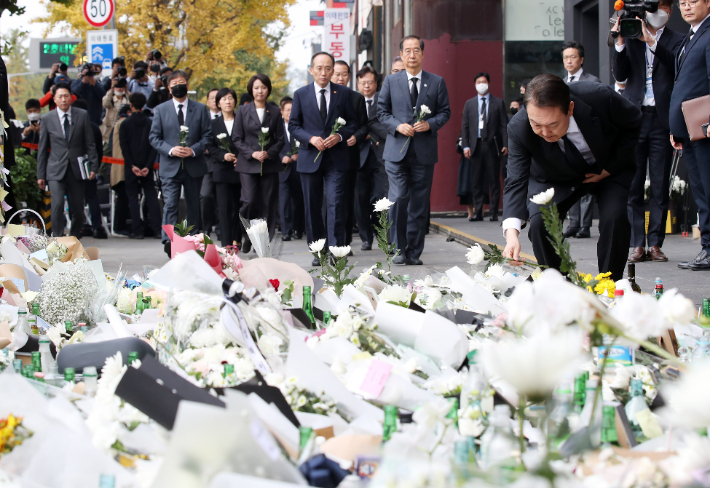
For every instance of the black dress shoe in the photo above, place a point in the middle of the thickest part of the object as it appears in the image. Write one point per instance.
(570, 232)
(475, 218)
(286, 238)
(351, 253)
(494, 218)
(100, 233)
(246, 246)
(125, 232)
(166, 248)
(414, 262)
(298, 235)
(366, 246)
(315, 262)
(399, 260)
(702, 264)
(686, 264)
(136, 236)
(583, 233)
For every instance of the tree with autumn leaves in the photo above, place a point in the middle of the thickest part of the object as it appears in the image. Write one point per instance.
(220, 42)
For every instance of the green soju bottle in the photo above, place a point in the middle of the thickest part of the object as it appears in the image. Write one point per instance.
(390, 425)
(308, 305)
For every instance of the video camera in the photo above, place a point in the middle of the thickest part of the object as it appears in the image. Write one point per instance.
(91, 70)
(631, 27)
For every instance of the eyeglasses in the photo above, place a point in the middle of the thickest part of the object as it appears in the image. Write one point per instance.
(416, 50)
(367, 83)
(320, 69)
(570, 58)
(395, 70)
(689, 3)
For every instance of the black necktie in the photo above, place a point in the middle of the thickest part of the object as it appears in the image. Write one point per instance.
(181, 115)
(369, 107)
(571, 78)
(484, 127)
(414, 92)
(323, 106)
(66, 126)
(573, 155)
(621, 91)
(687, 39)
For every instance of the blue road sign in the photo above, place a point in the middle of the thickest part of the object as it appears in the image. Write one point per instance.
(101, 53)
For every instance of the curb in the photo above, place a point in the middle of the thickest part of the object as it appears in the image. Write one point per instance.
(467, 239)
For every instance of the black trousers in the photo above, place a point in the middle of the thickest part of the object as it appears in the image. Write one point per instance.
(74, 189)
(228, 201)
(171, 187)
(331, 181)
(260, 198)
(485, 162)
(349, 204)
(121, 211)
(207, 203)
(291, 203)
(580, 214)
(654, 147)
(134, 185)
(365, 197)
(615, 231)
(92, 200)
(697, 155)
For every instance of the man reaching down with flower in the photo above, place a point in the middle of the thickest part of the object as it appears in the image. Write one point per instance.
(575, 139)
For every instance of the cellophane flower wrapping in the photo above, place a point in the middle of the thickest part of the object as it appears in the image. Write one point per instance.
(258, 232)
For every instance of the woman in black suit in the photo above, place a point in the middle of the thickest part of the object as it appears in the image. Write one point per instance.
(225, 177)
(259, 170)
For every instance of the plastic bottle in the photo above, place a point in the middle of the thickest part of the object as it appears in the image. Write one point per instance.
(635, 405)
(90, 381)
(499, 446)
(658, 291)
(22, 323)
(45, 354)
(702, 346)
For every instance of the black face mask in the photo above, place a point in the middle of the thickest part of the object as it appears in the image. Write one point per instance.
(513, 110)
(179, 91)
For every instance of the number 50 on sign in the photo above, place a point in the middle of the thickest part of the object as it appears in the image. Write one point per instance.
(98, 13)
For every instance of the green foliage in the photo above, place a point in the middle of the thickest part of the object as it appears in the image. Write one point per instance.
(553, 224)
(287, 294)
(182, 229)
(335, 273)
(23, 179)
(382, 231)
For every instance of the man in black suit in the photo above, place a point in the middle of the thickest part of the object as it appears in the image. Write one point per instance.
(341, 76)
(576, 139)
(484, 138)
(139, 157)
(290, 192)
(691, 81)
(378, 136)
(323, 158)
(580, 215)
(648, 66)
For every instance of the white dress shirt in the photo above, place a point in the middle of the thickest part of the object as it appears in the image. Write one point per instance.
(327, 96)
(577, 75)
(370, 106)
(418, 76)
(260, 113)
(229, 124)
(649, 99)
(184, 113)
(288, 134)
(576, 137)
(61, 113)
(214, 115)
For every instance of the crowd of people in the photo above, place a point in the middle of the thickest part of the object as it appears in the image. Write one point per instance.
(315, 163)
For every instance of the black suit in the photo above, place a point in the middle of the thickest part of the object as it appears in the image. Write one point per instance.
(290, 191)
(691, 81)
(137, 151)
(259, 181)
(360, 111)
(610, 125)
(227, 185)
(485, 150)
(378, 136)
(157, 97)
(654, 145)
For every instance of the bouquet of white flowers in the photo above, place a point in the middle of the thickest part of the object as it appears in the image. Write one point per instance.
(258, 232)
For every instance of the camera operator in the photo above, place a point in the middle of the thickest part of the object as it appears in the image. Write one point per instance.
(116, 65)
(160, 92)
(156, 56)
(91, 91)
(648, 66)
(140, 82)
(57, 69)
(30, 130)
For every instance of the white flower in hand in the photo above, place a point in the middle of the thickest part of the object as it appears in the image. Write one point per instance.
(184, 128)
(298, 144)
(265, 130)
(221, 136)
(475, 255)
(543, 198)
(339, 252)
(340, 121)
(317, 246)
(382, 205)
(424, 110)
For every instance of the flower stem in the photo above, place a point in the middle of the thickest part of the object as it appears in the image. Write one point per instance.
(521, 420)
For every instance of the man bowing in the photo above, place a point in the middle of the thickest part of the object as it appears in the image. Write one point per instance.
(578, 139)
(411, 149)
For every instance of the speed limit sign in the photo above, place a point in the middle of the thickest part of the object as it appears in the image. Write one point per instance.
(98, 13)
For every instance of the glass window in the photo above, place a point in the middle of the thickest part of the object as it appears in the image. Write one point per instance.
(527, 59)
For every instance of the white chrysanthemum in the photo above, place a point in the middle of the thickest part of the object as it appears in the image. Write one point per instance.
(427, 297)
(495, 270)
(543, 198)
(689, 398)
(475, 255)
(264, 130)
(298, 144)
(339, 251)
(424, 110)
(317, 246)
(675, 308)
(640, 316)
(340, 121)
(270, 344)
(536, 365)
(221, 136)
(395, 294)
(383, 204)
(126, 301)
(184, 128)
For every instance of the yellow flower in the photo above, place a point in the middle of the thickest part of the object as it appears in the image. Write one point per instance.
(605, 284)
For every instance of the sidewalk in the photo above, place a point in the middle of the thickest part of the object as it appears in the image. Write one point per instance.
(693, 284)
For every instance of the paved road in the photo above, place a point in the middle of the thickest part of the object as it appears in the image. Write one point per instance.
(439, 255)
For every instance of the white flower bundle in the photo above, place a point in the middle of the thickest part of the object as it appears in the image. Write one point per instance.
(258, 232)
(67, 294)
